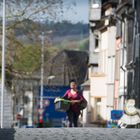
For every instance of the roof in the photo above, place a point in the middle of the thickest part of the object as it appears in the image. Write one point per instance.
(67, 65)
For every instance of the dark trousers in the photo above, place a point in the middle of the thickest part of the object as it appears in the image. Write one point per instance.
(73, 118)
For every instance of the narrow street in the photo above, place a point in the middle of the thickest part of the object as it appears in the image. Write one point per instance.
(69, 134)
(69, 63)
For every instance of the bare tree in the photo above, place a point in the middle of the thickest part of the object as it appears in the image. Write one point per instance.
(19, 12)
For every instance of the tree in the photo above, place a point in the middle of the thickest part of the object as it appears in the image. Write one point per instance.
(23, 13)
(27, 59)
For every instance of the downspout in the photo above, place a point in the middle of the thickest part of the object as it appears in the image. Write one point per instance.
(125, 44)
(133, 58)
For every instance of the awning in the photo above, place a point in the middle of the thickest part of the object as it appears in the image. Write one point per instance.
(86, 83)
(130, 120)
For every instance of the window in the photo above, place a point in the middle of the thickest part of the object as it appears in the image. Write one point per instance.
(97, 2)
(98, 108)
(96, 42)
(94, 69)
(119, 29)
(111, 70)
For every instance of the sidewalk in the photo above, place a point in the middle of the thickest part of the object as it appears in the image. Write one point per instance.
(69, 134)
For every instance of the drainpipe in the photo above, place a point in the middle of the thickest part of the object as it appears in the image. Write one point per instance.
(135, 32)
(125, 44)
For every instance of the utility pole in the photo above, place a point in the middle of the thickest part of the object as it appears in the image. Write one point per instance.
(42, 71)
(41, 79)
(3, 66)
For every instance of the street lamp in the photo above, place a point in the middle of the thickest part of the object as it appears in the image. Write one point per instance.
(3, 66)
(42, 75)
(50, 78)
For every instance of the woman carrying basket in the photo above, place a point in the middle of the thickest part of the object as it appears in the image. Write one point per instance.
(76, 98)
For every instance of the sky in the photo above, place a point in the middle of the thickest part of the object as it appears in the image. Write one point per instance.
(78, 12)
(74, 11)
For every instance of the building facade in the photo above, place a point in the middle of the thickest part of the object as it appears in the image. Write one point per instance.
(102, 68)
(115, 64)
(128, 30)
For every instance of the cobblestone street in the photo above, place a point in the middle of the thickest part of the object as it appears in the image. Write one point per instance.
(69, 134)
(70, 70)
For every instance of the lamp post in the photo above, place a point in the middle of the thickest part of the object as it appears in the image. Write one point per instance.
(42, 68)
(3, 66)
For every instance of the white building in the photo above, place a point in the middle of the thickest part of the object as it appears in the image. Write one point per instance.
(7, 108)
(102, 62)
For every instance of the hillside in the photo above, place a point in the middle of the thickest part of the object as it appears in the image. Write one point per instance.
(72, 42)
(24, 42)
(60, 35)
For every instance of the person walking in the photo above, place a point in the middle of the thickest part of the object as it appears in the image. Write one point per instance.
(75, 98)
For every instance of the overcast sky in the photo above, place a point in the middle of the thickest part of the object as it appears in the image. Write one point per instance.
(78, 12)
(74, 11)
